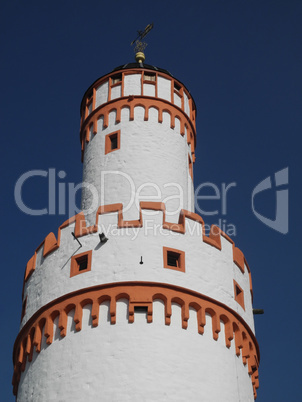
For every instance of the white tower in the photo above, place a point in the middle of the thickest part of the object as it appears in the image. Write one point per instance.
(159, 312)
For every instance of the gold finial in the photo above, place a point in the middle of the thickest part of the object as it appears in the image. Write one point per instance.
(139, 45)
(140, 57)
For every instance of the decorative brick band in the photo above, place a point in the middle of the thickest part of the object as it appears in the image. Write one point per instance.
(131, 102)
(138, 294)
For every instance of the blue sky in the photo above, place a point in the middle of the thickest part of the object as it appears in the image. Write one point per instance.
(241, 60)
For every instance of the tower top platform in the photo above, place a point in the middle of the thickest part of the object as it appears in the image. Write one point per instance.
(134, 66)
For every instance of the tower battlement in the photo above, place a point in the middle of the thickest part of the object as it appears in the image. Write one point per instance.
(201, 265)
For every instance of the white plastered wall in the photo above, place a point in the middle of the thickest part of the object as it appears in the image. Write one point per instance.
(207, 270)
(150, 152)
(132, 84)
(164, 88)
(102, 94)
(152, 160)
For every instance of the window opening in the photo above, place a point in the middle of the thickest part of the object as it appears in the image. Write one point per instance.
(239, 294)
(116, 79)
(177, 87)
(113, 141)
(149, 77)
(173, 259)
(82, 263)
(190, 167)
(238, 291)
(23, 308)
(140, 309)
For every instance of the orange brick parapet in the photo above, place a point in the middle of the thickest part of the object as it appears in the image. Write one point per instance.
(138, 294)
(214, 238)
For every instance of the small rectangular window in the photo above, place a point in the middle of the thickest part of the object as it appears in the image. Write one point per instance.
(140, 309)
(149, 77)
(80, 263)
(239, 294)
(177, 87)
(190, 167)
(238, 291)
(89, 102)
(174, 259)
(112, 142)
(83, 263)
(116, 79)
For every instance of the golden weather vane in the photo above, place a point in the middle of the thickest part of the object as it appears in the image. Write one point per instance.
(140, 45)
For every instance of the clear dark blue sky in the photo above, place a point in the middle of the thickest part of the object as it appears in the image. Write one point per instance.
(241, 60)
